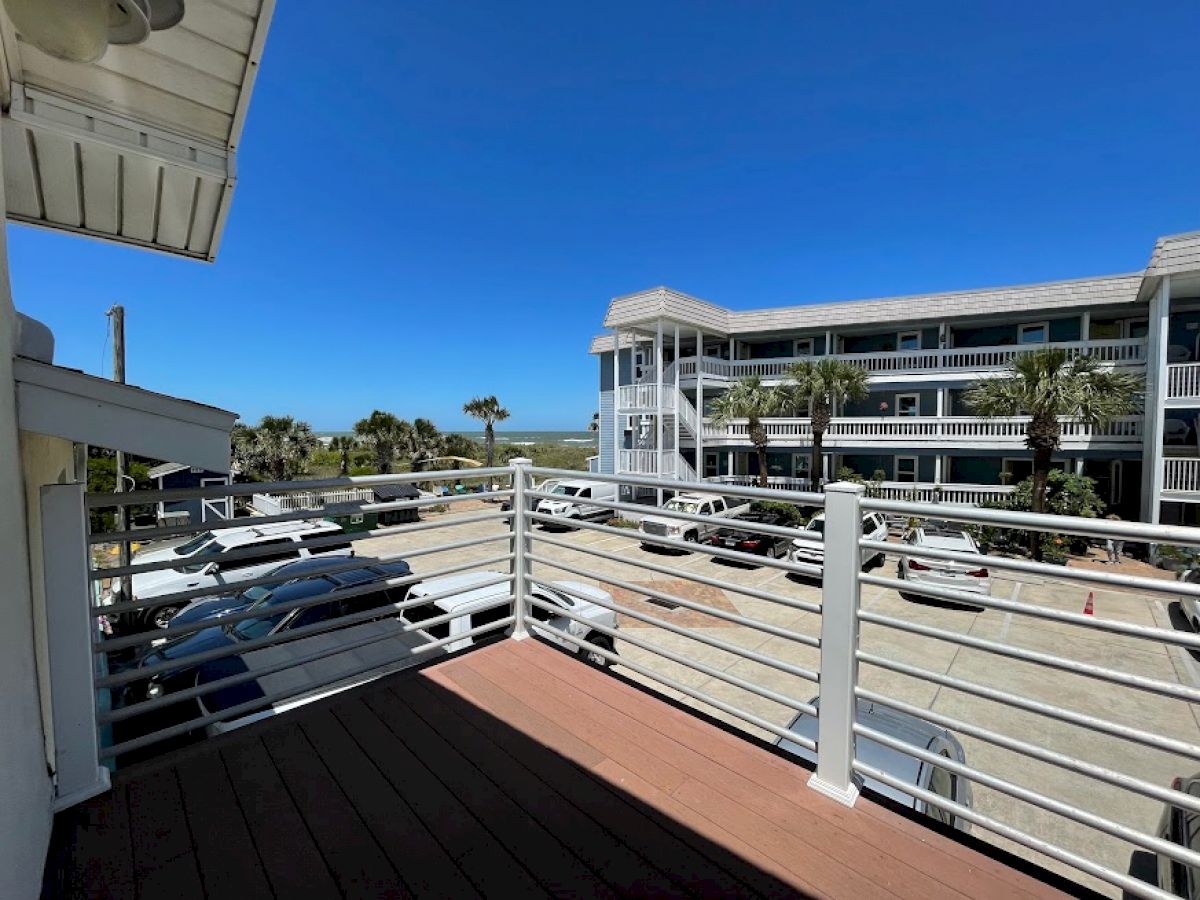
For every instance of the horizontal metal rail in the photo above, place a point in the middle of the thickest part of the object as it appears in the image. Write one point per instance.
(733, 680)
(1028, 521)
(1062, 760)
(238, 587)
(127, 676)
(147, 534)
(199, 690)
(1082, 863)
(269, 699)
(252, 550)
(1092, 723)
(952, 595)
(136, 498)
(1107, 579)
(695, 606)
(690, 634)
(796, 498)
(1035, 798)
(110, 645)
(736, 711)
(746, 590)
(1112, 676)
(685, 546)
(641, 509)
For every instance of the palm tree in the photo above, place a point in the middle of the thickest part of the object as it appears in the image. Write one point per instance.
(344, 445)
(423, 442)
(750, 399)
(489, 411)
(1047, 385)
(815, 385)
(277, 448)
(382, 433)
(594, 425)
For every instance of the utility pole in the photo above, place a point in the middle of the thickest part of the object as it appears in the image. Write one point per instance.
(117, 314)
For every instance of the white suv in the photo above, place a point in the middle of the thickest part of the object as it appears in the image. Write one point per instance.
(812, 550)
(200, 564)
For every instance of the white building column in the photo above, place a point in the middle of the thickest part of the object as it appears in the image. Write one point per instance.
(675, 396)
(700, 402)
(618, 431)
(1156, 380)
(658, 413)
(937, 469)
(828, 342)
(731, 466)
(1085, 325)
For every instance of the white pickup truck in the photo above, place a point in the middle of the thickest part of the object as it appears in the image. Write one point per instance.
(713, 505)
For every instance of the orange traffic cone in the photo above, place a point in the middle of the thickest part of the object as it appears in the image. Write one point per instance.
(1089, 608)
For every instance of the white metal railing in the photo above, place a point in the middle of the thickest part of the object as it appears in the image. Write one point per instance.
(931, 430)
(638, 397)
(1181, 475)
(688, 416)
(1130, 351)
(1105, 702)
(638, 462)
(778, 482)
(1183, 381)
(270, 504)
(921, 491)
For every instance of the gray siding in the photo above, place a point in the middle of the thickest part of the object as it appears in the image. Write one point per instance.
(608, 458)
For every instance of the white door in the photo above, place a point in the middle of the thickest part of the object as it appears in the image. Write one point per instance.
(215, 507)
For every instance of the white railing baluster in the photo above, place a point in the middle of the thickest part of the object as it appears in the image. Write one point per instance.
(840, 590)
(521, 505)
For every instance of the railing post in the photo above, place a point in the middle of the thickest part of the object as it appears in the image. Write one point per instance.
(840, 591)
(70, 632)
(521, 480)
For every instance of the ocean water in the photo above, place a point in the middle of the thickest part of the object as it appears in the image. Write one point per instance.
(529, 438)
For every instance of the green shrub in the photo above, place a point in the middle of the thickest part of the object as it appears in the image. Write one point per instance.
(618, 522)
(793, 514)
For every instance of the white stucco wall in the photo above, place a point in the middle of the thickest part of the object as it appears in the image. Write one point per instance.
(25, 790)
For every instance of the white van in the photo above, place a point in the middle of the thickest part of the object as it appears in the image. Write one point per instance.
(471, 602)
(571, 500)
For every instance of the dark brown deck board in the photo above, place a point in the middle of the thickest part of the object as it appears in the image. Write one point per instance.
(293, 864)
(400, 832)
(618, 865)
(225, 852)
(512, 770)
(708, 872)
(553, 864)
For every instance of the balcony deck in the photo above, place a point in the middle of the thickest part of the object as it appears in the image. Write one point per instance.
(511, 770)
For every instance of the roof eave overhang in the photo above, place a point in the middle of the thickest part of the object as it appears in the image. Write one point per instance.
(78, 407)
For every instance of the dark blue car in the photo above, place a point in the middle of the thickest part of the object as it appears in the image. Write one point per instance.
(271, 621)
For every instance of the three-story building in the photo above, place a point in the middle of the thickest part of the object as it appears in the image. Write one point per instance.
(668, 355)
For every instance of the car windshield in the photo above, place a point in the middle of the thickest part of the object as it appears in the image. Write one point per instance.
(190, 547)
(687, 506)
(256, 594)
(210, 549)
(564, 489)
(293, 591)
(817, 525)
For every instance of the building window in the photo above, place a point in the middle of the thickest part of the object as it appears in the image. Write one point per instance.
(908, 340)
(1137, 328)
(906, 468)
(908, 404)
(1033, 333)
(802, 347)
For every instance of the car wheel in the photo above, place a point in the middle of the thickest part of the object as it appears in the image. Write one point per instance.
(591, 657)
(691, 537)
(162, 615)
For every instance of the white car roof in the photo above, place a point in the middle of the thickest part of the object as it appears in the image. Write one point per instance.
(696, 498)
(466, 582)
(233, 537)
(578, 483)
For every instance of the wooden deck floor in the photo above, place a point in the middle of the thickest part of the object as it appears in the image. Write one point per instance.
(509, 771)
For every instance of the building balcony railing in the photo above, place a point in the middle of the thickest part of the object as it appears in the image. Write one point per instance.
(990, 686)
(1124, 352)
(1183, 382)
(916, 491)
(925, 431)
(1181, 478)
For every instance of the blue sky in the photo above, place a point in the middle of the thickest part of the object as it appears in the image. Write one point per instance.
(438, 200)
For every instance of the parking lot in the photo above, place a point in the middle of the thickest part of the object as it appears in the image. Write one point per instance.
(1125, 705)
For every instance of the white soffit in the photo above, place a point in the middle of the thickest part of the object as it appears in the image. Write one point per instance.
(69, 404)
(140, 146)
